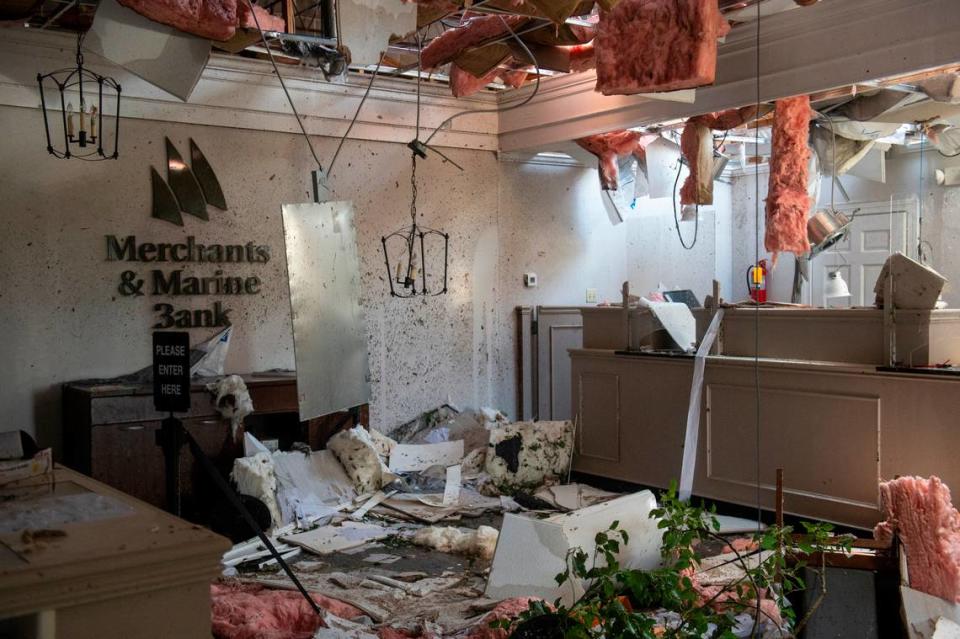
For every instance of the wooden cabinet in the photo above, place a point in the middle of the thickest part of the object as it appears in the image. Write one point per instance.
(110, 434)
(835, 429)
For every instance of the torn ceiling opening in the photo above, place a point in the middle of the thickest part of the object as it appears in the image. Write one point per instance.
(491, 44)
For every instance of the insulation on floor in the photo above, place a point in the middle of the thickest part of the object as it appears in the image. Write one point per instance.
(363, 454)
(529, 454)
(481, 542)
(645, 46)
(921, 513)
(249, 611)
(788, 202)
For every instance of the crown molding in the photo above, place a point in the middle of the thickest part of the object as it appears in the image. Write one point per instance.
(244, 93)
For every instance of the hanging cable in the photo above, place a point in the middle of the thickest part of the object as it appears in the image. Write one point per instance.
(523, 102)
(676, 219)
(303, 130)
(356, 114)
(756, 316)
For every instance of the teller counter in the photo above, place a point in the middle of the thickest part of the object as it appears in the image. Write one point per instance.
(835, 428)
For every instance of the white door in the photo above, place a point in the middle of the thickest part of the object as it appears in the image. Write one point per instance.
(878, 229)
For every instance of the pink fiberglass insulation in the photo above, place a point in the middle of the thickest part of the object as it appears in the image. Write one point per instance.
(787, 199)
(513, 78)
(473, 32)
(689, 143)
(464, 83)
(608, 147)
(248, 611)
(644, 46)
(268, 21)
(920, 511)
(690, 193)
(213, 19)
(506, 609)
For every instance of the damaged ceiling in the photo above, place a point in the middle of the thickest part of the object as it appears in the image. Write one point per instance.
(472, 46)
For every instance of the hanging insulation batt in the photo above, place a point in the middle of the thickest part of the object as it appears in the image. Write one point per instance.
(644, 46)
(787, 200)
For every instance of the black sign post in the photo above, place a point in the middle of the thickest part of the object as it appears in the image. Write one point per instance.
(171, 393)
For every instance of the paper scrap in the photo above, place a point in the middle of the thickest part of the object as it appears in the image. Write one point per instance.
(418, 457)
(328, 539)
(382, 558)
(451, 492)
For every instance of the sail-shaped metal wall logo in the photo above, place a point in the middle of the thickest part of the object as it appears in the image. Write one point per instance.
(188, 189)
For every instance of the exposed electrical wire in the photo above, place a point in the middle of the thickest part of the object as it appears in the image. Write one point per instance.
(523, 102)
(676, 219)
(283, 86)
(356, 113)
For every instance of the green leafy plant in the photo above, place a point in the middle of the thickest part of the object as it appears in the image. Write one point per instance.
(618, 602)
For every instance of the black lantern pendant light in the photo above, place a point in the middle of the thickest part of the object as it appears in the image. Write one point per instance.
(82, 128)
(410, 244)
(411, 247)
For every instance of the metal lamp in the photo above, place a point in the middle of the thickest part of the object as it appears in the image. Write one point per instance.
(82, 139)
(409, 246)
(836, 286)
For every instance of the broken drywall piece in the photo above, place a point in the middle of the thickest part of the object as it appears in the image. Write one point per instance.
(573, 496)
(368, 25)
(915, 285)
(417, 508)
(922, 612)
(328, 539)
(946, 629)
(256, 477)
(531, 552)
(420, 457)
(310, 486)
(481, 542)
(359, 452)
(525, 455)
(161, 55)
(451, 490)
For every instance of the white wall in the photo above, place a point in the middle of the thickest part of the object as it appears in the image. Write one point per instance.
(552, 222)
(62, 318)
(940, 214)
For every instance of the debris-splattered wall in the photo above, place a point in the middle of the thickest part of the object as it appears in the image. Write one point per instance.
(63, 317)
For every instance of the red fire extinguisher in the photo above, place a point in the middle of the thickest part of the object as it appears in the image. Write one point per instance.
(757, 282)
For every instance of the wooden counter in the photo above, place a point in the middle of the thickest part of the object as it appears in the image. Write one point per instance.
(139, 574)
(835, 428)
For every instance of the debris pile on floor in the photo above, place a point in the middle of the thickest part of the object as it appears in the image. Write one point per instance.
(458, 520)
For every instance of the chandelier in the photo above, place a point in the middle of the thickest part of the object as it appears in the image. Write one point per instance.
(82, 128)
(411, 246)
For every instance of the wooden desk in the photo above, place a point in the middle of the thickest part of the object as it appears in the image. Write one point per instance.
(109, 433)
(142, 574)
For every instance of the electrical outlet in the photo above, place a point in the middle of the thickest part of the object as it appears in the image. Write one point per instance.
(591, 296)
(530, 280)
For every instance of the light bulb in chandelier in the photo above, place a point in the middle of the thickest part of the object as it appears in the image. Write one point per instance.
(413, 254)
(78, 133)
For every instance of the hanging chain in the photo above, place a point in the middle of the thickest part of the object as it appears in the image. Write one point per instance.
(413, 191)
(79, 50)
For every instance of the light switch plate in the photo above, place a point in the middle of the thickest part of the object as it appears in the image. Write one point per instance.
(591, 296)
(530, 280)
